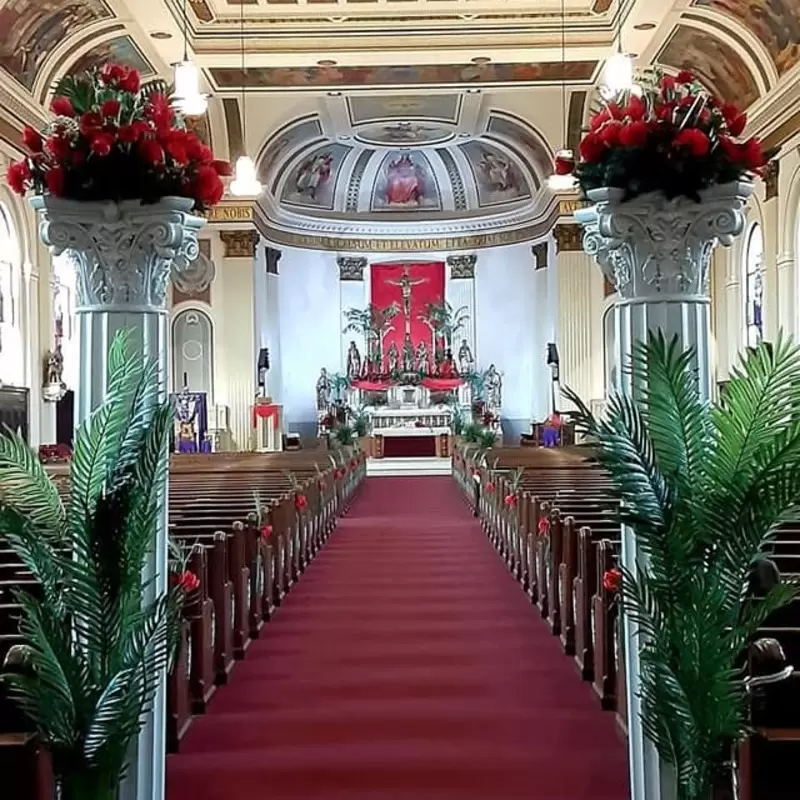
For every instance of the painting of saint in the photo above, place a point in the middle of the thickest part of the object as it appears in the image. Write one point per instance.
(404, 133)
(775, 22)
(714, 62)
(311, 183)
(498, 178)
(405, 183)
(31, 31)
(122, 50)
(286, 142)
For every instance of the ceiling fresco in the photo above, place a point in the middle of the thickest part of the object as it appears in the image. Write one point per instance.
(442, 107)
(776, 23)
(422, 75)
(121, 50)
(32, 30)
(714, 62)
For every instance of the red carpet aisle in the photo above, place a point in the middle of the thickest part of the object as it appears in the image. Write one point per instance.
(406, 664)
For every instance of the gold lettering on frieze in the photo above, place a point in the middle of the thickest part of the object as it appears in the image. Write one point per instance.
(228, 213)
(568, 207)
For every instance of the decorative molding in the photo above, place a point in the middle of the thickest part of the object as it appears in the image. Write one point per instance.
(351, 268)
(273, 257)
(771, 176)
(539, 252)
(462, 266)
(239, 244)
(568, 238)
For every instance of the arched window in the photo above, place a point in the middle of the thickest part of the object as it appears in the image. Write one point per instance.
(65, 326)
(192, 352)
(12, 359)
(754, 286)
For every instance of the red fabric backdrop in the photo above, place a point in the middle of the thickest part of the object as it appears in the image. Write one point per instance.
(385, 293)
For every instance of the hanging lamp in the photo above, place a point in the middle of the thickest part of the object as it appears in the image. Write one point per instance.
(245, 182)
(562, 179)
(187, 97)
(618, 71)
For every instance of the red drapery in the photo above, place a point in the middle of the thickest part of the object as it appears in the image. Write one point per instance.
(428, 280)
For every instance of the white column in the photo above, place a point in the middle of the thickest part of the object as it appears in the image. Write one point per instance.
(352, 294)
(123, 256)
(784, 267)
(33, 358)
(658, 254)
(459, 292)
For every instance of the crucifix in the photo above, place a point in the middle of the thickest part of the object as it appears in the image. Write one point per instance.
(405, 283)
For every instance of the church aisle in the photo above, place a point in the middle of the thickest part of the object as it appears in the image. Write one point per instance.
(406, 664)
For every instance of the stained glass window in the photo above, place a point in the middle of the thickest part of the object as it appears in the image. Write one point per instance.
(754, 286)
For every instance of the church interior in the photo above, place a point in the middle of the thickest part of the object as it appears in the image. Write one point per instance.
(371, 357)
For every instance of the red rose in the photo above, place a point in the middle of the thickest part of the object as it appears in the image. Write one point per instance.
(208, 188)
(300, 502)
(222, 168)
(58, 147)
(664, 111)
(101, 144)
(609, 134)
(615, 111)
(636, 108)
(188, 581)
(176, 151)
(128, 134)
(511, 500)
(693, 140)
(266, 531)
(110, 73)
(62, 106)
(752, 154)
(18, 176)
(612, 580)
(684, 76)
(599, 119)
(591, 148)
(489, 486)
(729, 147)
(543, 528)
(634, 134)
(110, 108)
(131, 81)
(735, 119)
(667, 84)
(32, 139)
(159, 111)
(90, 123)
(142, 128)
(151, 152)
(54, 178)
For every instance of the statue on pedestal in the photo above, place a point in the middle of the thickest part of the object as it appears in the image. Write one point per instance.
(408, 354)
(186, 414)
(466, 363)
(423, 359)
(323, 390)
(393, 358)
(494, 388)
(353, 362)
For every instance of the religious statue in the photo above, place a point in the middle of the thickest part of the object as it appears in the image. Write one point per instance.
(353, 362)
(423, 360)
(55, 367)
(323, 390)
(466, 363)
(393, 358)
(446, 368)
(405, 283)
(408, 354)
(494, 388)
(186, 414)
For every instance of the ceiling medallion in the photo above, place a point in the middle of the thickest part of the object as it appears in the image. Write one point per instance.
(326, 62)
(160, 35)
(644, 26)
(403, 133)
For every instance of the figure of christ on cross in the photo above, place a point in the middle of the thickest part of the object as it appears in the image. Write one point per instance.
(405, 283)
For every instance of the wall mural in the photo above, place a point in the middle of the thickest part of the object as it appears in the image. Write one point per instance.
(517, 133)
(498, 178)
(714, 62)
(122, 50)
(31, 30)
(405, 182)
(404, 133)
(775, 22)
(425, 75)
(284, 143)
(312, 182)
(442, 107)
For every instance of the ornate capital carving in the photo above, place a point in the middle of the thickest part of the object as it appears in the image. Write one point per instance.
(568, 237)
(273, 257)
(123, 253)
(351, 268)
(239, 244)
(462, 266)
(651, 247)
(771, 176)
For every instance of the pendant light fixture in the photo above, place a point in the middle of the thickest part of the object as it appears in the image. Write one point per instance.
(562, 179)
(245, 182)
(618, 71)
(188, 98)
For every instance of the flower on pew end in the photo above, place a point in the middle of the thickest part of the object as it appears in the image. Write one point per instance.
(187, 581)
(612, 580)
(543, 527)
(266, 531)
(300, 502)
(490, 487)
(511, 500)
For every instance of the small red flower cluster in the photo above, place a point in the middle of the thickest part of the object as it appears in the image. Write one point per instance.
(543, 528)
(112, 141)
(490, 487)
(511, 500)
(612, 580)
(673, 138)
(300, 502)
(266, 531)
(187, 581)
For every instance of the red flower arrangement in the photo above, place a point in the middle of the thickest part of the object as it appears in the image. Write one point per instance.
(675, 138)
(113, 140)
(612, 580)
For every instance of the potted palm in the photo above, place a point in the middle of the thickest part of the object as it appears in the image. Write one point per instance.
(704, 487)
(97, 647)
